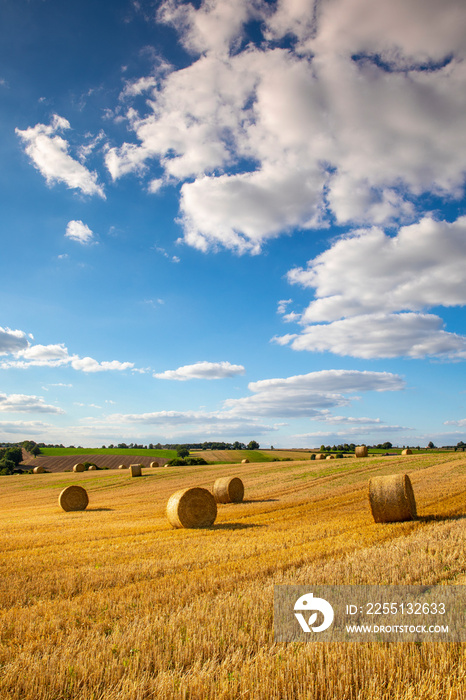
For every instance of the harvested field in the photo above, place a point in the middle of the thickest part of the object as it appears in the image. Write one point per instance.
(112, 603)
(67, 462)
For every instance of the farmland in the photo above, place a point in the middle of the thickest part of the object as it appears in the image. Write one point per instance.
(111, 603)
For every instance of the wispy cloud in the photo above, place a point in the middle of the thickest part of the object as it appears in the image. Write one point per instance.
(202, 370)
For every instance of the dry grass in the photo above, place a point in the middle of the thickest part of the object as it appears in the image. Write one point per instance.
(111, 603)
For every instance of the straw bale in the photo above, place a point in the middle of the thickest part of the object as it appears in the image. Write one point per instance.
(392, 498)
(38, 470)
(79, 467)
(361, 451)
(92, 468)
(406, 451)
(135, 469)
(191, 507)
(245, 461)
(319, 455)
(154, 464)
(330, 457)
(73, 498)
(122, 466)
(228, 489)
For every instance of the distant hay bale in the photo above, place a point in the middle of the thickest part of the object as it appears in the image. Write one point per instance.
(320, 456)
(122, 466)
(73, 498)
(38, 470)
(228, 489)
(360, 451)
(407, 451)
(79, 467)
(330, 457)
(191, 507)
(135, 470)
(91, 468)
(245, 461)
(392, 498)
(154, 464)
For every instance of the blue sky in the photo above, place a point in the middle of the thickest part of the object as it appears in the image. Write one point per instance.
(232, 221)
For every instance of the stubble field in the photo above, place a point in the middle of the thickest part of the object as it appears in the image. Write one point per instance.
(112, 603)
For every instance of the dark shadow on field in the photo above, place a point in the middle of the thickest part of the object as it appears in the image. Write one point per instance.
(96, 510)
(439, 518)
(234, 526)
(261, 500)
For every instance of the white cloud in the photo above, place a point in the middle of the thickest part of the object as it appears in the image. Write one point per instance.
(54, 355)
(22, 403)
(371, 289)
(310, 395)
(182, 423)
(381, 335)
(25, 428)
(202, 370)
(79, 232)
(370, 271)
(12, 341)
(460, 423)
(361, 114)
(49, 154)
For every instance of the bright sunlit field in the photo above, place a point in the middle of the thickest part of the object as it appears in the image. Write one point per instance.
(112, 603)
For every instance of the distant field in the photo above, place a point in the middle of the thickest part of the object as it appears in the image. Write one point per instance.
(63, 451)
(235, 456)
(113, 604)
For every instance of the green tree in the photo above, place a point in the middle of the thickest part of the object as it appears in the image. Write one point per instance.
(253, 445)
(182, 452)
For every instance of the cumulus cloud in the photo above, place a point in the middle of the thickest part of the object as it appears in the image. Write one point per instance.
(361, 114)
(77, 231)
(421, 267)
(49, 153)
(22, 403)
(371, 290)
(12, 341)
(380, 335)
(54, 355)
(202, 370)
(310, 395)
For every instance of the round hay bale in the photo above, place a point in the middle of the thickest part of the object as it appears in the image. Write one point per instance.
(360, 451)
(92, 468)
(228, 489)
(191, 507)
(330, 457)
(154, 464)
(79, 467)
(392, 498)
(406, 451)
(320, 456)
(245, 461)
(38, 470)
(135, 470)
(73, 498)
(122, 466)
